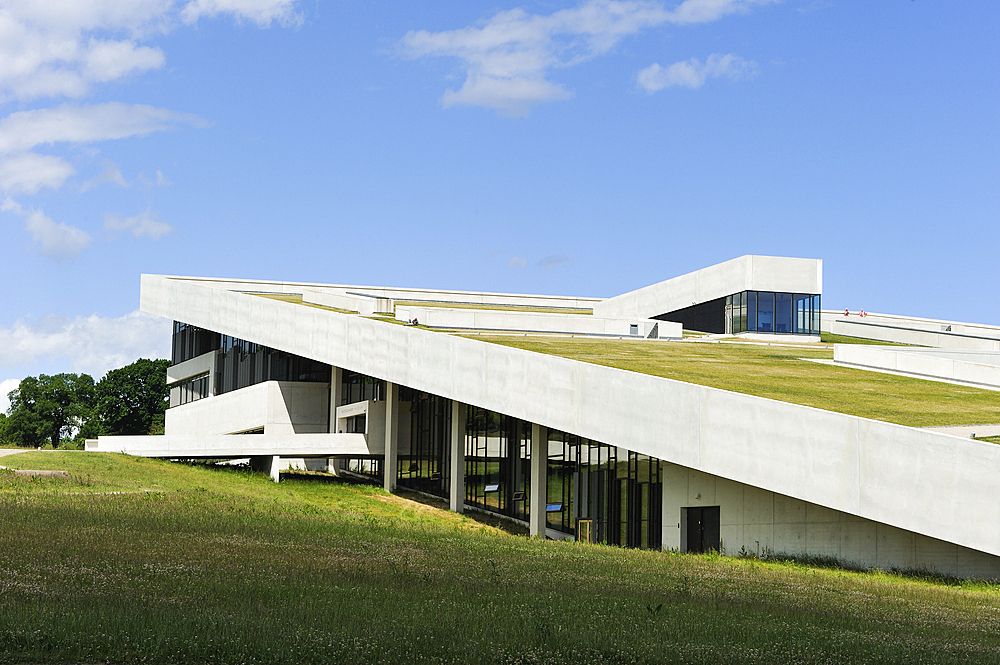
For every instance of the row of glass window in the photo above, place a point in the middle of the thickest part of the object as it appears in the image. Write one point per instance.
(192, 390)
(603, 494)
(771, 312)
(497, 463)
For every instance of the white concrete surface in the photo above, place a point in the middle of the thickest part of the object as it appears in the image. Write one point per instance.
(969, 431)
(911, 479)
(456, 458)
(538, 486)
(203, 364)
(746, 273)
(390, 462)
(280, 407)
(763, 523)
(192, 446)
(957, 365)
(391, 293)
(506, 320)
(363, 305)
(913, 330)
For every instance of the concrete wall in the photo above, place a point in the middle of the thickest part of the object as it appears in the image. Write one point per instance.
(919, 332)
(912, 479)
(580, 324)
(389, 293)
(203, 364)
(360, 304)
(761, 522)
(977, 367)
(753, 273)
(280, 407)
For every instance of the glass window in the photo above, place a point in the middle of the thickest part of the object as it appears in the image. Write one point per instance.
(765, 311)
(751, 310)
(497, 463)
(782, 312)
(803, 316)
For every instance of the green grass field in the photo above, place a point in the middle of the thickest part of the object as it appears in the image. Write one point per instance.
(135, 560)
(781, 373)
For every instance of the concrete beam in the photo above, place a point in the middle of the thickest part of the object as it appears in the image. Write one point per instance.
(172, 446)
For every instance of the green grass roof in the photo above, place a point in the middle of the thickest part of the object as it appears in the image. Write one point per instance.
(783, 373)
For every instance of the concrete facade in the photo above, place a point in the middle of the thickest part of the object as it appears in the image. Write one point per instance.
(505, 320)
(746, 273)
(979, 368)
(277, 407)
(760, 523)
(194, 446)
(787, 478)
(912, 330)
(911, 479)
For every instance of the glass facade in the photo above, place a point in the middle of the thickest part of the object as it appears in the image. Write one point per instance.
(497, 463)
(424, 467)
(603, 494)
(240, 363)
(771, 312)
(191, 341)
(355, 387)
(192, 390)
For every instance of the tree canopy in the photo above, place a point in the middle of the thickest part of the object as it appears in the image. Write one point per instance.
(132, 400)
(45, 409)
(49, 409)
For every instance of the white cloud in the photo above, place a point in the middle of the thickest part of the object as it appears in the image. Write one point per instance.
(693, 73)
(6, 387)
(517, 262)
(73, 123)
(60, 241)
(28, 172)
(90, 344)
(508, 57)
(161, 180)
(54, 48)
(112, 173)
(261, 12)
(25, 172)
(145, 224)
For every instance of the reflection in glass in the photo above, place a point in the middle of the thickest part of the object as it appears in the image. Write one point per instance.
(770, 312)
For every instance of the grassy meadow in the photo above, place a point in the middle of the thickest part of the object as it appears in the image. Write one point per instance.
(785, 373)
(134, 560)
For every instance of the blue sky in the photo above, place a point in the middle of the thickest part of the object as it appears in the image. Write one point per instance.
(578, 148)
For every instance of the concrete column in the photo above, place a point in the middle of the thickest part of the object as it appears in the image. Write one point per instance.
(456, 460)
(391, 462)
(336, 375)
(267, 464)
(539, 479)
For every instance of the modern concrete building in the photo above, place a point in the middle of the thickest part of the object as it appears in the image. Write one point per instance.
(340, 378)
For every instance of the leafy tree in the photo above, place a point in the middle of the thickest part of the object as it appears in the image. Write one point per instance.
(3, 428)
(48, 408)
(133, 399)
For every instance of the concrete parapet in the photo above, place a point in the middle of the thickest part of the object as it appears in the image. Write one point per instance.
(961, 366)
(539, 322)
